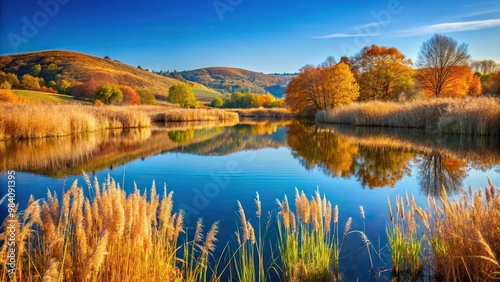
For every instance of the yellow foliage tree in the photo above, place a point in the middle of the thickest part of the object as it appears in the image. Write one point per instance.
(384, 73)
(316, 89)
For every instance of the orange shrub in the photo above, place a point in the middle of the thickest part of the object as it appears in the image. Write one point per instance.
(7, 96)
(130, 96)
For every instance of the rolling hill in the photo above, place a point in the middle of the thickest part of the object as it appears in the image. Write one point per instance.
(77, 67)
(229, 80)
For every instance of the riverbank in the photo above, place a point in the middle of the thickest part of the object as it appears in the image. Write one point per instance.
(264, 113)
(44, 120)
(474, 116)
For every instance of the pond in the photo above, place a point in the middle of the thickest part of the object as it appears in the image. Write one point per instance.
(211, 166)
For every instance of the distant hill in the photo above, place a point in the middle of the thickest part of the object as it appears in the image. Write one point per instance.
(73, 66)
(229, 80)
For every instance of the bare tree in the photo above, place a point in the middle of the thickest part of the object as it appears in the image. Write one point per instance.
(485, 66)
(438, 59)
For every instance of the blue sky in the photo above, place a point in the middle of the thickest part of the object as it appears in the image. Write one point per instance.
(264, 36)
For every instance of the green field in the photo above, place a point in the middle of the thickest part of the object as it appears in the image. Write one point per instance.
(204, 95)
(30, 96)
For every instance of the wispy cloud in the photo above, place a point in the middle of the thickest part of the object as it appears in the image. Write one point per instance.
(451, 27)
(343, 35)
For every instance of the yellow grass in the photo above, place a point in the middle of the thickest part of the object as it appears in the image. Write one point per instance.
(465, 235)
(479, 116)
(277, 113)
(36, 121)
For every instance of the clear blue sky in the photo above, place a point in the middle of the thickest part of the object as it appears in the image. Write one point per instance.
(264, 36)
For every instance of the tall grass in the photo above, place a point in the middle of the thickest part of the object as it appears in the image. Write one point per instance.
(479, 116)
(465, 235)
(98, 233)
(405, 244)
(309, 243)
(107, 236)
(44, 120)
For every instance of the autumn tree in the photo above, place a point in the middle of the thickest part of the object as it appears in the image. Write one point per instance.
(8, 80)
(438, 60)
(384, 73)
(86, 90)
(182, 94)
(146, 95)
(130, 96)
(36, 69)
(63, 86)
(317, 88)
(30, 82)
(109, 93)
(217, 102)
(461, 82)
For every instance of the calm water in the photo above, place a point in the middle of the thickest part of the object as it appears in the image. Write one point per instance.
(210, 167)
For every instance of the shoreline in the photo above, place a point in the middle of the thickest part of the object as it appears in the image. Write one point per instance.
(24, 122)
(475, 116)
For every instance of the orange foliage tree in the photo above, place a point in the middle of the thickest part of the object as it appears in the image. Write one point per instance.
(130, 96)
(384, 73)
(317, 88)
(460, 82)
(442, 64)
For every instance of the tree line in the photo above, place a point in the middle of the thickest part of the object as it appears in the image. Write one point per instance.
(443, 69)
(97, 91)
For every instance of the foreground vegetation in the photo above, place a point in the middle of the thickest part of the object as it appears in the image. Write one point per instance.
(475, 116)
(96, 232)
(19, 121)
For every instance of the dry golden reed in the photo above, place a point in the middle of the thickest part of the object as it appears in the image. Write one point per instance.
(475, 116)
(464, 235)
(106, 236)
(47, 120)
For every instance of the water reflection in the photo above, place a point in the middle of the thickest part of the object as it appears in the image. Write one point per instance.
(376, 157)
(61, 157)
(380, 157)
(437, 170)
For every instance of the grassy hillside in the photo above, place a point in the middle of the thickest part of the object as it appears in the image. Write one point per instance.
(29, 96)
(229, 80)
(72, 66)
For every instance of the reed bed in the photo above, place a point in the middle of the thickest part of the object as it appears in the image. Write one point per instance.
(273, 113)
(45, 120)
(310, 241)
(456, 240)
(107, 236)
(475, 116)
(98, 233)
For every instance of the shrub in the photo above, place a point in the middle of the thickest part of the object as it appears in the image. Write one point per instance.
(147, 97)
(86, 90)
(130, 96)
(7, 96)
(182, 94)
(109, 93)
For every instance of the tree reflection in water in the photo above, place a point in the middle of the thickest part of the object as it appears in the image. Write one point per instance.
(437, 170)
(376, 157)
(382, 157)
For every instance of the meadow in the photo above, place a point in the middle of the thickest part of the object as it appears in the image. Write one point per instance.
(474, 116)
(95, 231)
